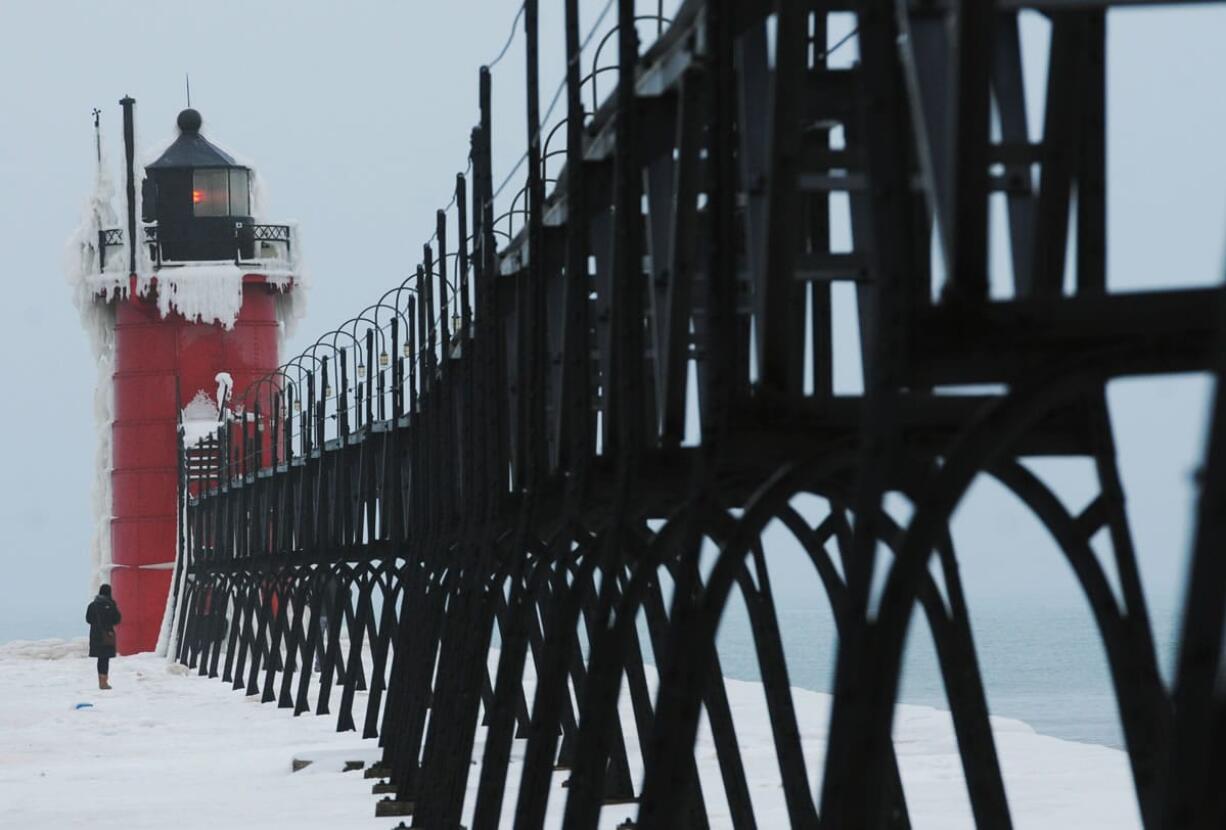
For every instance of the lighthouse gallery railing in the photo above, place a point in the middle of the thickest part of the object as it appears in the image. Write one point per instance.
(245, 234)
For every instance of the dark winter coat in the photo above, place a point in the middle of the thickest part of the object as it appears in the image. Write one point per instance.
(102, 616)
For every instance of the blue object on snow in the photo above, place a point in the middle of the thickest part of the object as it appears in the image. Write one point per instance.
(84, 706)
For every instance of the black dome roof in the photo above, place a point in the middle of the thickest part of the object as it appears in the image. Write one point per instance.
(189, 121)
(191, 149)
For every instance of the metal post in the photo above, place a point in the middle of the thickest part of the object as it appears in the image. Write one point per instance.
(462, 247)
(129, 154)
(97, 136)
(440, 231)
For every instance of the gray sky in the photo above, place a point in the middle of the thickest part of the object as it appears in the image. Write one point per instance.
(358, 115)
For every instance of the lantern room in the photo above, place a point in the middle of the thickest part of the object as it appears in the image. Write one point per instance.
(200, 199)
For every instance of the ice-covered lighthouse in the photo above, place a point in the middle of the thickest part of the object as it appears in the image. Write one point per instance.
(188, 298)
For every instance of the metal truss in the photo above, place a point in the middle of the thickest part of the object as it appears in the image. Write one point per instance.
(499, 447)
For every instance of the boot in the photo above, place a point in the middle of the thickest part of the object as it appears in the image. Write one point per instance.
(102, 684)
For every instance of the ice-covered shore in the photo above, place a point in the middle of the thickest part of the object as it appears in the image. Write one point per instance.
(166, 748)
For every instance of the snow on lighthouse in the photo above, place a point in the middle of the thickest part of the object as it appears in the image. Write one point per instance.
(197, 291)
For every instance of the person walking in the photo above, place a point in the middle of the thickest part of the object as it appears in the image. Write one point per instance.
(102, 616)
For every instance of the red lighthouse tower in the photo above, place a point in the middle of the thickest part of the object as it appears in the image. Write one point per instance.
(210, 303)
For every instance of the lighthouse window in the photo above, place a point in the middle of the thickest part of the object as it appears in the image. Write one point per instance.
(240, 193)
(210, 193)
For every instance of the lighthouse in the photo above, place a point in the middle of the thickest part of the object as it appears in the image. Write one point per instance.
(195, 291)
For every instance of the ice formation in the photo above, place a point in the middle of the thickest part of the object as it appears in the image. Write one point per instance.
(201, 417)
(50, 649)
(225, 386)
(104, 409)
(83, 258)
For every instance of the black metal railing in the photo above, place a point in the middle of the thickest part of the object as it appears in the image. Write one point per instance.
(245, 233)
(116, 238)
(590, 443)
(245, 236)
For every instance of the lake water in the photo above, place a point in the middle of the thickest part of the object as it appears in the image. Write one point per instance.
(1041, 663)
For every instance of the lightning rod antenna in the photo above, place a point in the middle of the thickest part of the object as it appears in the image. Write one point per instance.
(97, 135)
(187, 80)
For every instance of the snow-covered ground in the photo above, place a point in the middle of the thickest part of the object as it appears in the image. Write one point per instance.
(167, 748)
(162, 749)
